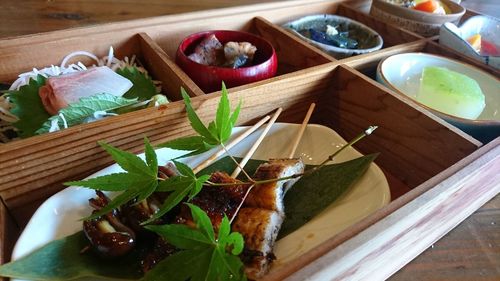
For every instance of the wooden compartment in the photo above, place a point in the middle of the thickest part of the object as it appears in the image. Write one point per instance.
(433, 169)
(20, 58)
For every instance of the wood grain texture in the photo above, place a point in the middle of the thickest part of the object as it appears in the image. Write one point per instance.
(389, 244)
(61, 14)
(74, 152)
(356, 103)
(477, 260)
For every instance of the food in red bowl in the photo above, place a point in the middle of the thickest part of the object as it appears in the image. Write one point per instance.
(209, 68)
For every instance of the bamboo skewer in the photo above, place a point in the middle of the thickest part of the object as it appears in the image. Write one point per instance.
(301, 130)
(249, 154)
(234, 142)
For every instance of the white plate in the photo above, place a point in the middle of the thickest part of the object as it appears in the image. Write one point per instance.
(59, 215)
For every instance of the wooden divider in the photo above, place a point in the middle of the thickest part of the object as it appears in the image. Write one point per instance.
(69, 155)
(413, 144)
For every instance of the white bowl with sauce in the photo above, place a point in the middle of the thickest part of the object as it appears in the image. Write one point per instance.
(402, 73)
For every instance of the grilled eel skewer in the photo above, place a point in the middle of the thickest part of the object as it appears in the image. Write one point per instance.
(259, 221)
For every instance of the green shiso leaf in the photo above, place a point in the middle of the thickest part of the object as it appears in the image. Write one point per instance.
(61, 260)
(200, 250)
(143, 87)
(76, 113)
(28, 107)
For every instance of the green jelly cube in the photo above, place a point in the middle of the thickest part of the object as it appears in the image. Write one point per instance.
(451, 92)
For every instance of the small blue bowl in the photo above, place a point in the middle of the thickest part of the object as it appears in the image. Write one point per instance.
(368, 39)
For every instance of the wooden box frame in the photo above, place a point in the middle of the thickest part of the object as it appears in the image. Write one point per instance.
(433, 168)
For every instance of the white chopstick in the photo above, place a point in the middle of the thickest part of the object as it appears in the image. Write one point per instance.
(256, 144)
(298, 137)
(234, 142)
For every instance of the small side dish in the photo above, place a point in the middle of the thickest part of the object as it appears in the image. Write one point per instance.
(428, 6)
(423, 17)
(57, 97)
(233, 57)
(478, 38)
(462, 95)
(338, 36)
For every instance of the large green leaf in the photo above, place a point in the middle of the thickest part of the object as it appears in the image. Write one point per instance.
(28, 107)
(62, 260)
(313, 192)
(77, 113)
(142, 88)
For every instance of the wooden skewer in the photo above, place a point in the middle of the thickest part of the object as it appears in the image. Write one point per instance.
(298, 137)
(234, 142)
(256, 144)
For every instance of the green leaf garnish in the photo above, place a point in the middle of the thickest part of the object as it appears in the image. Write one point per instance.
(28, 107)
(314, 192)
(62, 260)
(139, 180)
(143, 87)
(182, 186)
(217, 132)
(77, 113)
(214, 258)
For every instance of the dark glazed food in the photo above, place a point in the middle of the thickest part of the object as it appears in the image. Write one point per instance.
(107, 235)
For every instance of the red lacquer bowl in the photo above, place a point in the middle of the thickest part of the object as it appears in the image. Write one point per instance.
(210, 78)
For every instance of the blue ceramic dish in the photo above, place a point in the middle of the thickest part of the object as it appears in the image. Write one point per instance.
(368, 40)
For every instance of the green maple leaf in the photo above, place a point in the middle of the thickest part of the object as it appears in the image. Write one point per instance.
(202, 255)
(186, 184)
(217, 132)
(143, 87)
(28, 107)
(139, 180)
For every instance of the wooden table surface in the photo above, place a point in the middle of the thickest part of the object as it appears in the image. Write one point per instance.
(469, 252)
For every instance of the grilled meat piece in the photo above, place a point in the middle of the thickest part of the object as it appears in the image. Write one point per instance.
(216, 201)
(208, 52)
(160, 250)
(259, 228)
(270, 195)
(108, 236)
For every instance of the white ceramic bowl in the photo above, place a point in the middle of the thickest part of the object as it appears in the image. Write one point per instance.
(456, 37)
(402, 73)
(370, 39)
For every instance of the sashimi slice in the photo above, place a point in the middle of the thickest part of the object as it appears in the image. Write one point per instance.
(60, 91)
(451, 92)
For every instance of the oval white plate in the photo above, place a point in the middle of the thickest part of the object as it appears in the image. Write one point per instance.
(59, 215)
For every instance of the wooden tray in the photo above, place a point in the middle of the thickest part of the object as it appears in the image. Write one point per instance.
(432, 167)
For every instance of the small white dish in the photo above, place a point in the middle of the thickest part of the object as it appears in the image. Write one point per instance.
(456, 37)
(60, 215)
(403, 72)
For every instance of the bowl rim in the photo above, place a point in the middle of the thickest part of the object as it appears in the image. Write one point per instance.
(468, 46)
(380, 40)
(179, 52)
(466, 121)
(422, 13)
